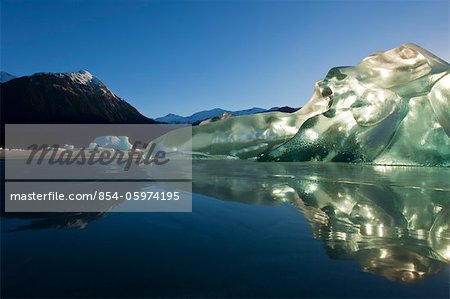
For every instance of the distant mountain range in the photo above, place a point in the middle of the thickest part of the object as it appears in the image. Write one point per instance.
(5, 77)
(198, 117)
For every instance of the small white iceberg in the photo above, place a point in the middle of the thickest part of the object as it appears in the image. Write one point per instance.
(112, 142)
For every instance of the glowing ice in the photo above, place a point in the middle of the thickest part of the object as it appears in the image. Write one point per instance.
(392, 108)
(241, 136)
(112, 142)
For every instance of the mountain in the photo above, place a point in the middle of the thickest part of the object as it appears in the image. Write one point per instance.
(285, 109)
(216, 113)
(5, 77)
(64, 98)
(76, 97)
(203, 115)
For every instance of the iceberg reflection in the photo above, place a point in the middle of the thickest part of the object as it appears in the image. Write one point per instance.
(394, 221)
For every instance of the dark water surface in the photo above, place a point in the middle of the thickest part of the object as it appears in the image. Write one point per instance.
(275, 230)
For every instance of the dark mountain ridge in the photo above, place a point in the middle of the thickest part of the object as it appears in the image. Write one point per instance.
(63, 98)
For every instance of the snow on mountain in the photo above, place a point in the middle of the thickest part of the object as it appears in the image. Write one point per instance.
(73, 97)
(84, 81)
(86, 78)
(5, 77)
(206, 114)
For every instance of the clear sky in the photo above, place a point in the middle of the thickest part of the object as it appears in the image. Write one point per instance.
(187, 56)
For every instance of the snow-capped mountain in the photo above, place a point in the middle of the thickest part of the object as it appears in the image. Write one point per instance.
(198, 117)
(75, 97)
(64, 98)
(5, 77)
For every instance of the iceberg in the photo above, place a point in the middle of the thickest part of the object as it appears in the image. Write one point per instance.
(112, 142)
(390, 109)
(244, 136)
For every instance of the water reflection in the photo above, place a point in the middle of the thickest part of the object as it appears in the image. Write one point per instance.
(52, 220)
(393, 221)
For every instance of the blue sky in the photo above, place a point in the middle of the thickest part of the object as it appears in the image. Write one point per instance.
(186, 56)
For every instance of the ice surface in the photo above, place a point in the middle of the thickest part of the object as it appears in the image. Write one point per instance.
(241, 136)
(392, 108)
(112, 142)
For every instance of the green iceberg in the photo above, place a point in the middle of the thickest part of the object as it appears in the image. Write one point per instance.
(390, 109)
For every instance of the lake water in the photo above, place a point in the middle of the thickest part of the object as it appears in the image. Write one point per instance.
(272, 230)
